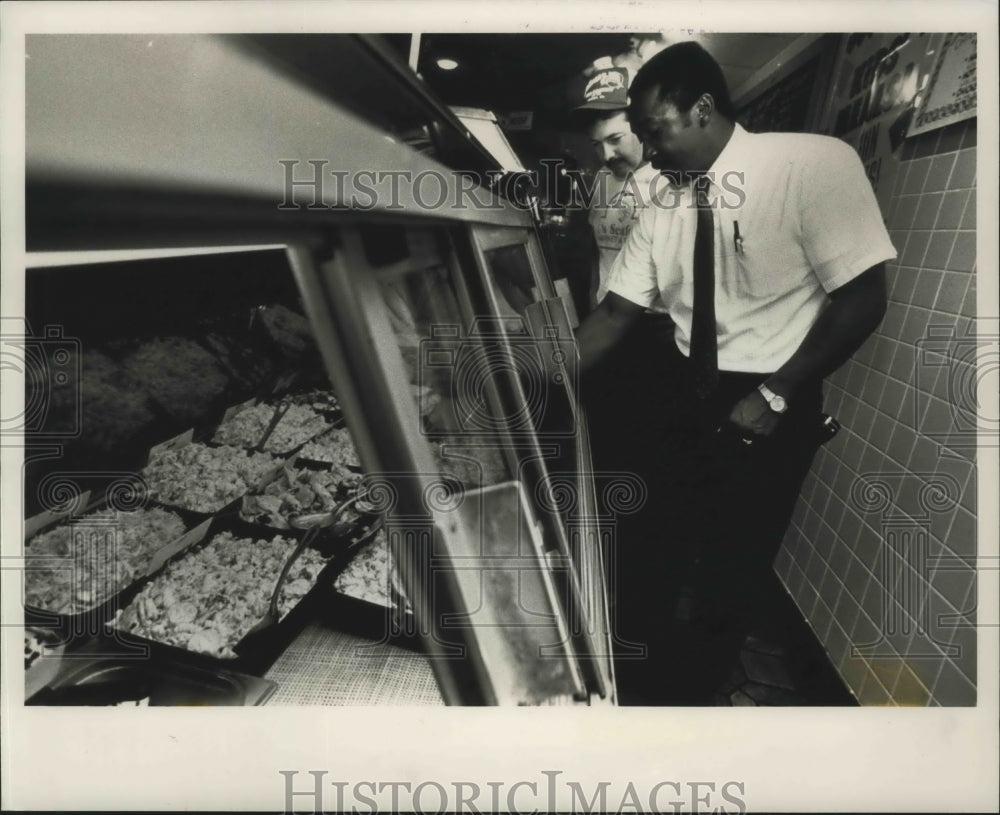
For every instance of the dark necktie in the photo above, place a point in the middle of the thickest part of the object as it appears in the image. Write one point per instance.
(704, 346)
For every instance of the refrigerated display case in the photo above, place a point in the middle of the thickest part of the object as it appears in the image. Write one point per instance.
(181, 166)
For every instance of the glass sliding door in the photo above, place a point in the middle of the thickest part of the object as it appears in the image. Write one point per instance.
(559, 473)
(437, 410)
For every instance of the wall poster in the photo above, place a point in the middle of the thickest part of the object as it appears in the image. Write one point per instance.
(880, 81)
(951, 95)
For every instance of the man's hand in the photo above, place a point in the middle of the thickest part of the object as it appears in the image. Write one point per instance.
(753, 413)
(854, 311)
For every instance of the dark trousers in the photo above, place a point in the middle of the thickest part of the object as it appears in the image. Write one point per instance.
(692, 566)
(630, 402)
(628, 396)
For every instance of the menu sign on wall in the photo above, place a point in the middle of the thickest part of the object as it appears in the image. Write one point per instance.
(879, 80)
(951, 94)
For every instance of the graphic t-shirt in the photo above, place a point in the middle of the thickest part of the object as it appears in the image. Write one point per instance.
(615, 209)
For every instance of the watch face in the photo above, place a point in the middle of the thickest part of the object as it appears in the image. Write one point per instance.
(778, 404)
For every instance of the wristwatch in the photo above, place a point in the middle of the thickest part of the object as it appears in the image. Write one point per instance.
(775, 402)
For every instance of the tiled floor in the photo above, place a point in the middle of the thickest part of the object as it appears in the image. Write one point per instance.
(783, 665)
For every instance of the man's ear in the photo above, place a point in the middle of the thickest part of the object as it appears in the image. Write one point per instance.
(704, 108)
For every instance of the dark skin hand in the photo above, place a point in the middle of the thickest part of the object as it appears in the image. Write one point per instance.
(854, 312)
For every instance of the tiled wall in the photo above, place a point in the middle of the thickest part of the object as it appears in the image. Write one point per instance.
(879, 556)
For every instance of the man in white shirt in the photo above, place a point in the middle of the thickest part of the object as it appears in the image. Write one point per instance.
(768, 250)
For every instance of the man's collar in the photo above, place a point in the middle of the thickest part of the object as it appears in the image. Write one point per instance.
(733, 155)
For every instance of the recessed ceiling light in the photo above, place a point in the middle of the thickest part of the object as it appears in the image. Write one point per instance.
(447, 64)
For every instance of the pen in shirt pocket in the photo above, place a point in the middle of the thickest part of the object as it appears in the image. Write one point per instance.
(737, 238)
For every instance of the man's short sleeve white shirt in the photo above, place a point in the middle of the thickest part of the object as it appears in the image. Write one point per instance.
(795, 218)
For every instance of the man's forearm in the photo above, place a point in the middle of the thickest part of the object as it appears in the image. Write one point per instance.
(596, 336)
(854, 312)
(603, 328)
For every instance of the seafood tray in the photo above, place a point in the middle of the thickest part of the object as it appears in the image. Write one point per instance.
(205, 603)
(334, 449)
(368, 575)
(320, 400)
(204, 479)
(367, 592)
(299, 491)
(246, 425)
(82, 566)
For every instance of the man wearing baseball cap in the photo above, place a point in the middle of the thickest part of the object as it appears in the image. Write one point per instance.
(623, 182)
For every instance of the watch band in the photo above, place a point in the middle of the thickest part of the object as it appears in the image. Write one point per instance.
(775, 402)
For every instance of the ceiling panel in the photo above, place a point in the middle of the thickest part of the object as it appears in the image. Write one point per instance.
(504, 72)
(746, 50)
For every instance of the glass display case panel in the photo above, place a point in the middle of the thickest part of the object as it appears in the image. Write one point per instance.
(435, 377)
(561, 476)
(451, 377)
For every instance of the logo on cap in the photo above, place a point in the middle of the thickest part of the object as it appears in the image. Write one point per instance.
(604, 84)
